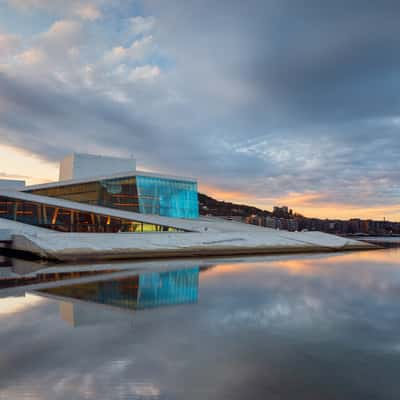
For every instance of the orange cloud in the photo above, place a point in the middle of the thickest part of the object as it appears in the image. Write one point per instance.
(309, 204)
(348, 211)
(301, 199)
(224, 195)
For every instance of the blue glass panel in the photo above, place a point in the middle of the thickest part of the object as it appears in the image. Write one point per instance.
(166, 288)
(167, 197)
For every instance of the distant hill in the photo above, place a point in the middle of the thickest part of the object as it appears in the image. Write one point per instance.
(211, 206)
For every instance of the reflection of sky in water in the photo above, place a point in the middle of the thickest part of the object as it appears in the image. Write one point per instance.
(295, 327)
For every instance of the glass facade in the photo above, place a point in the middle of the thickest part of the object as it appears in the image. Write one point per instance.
(147, 290)
(144, 194)
(167, 197)
(70, 220)
(120, 193)
(165, 288)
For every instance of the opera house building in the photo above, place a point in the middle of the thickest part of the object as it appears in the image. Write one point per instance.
(121, 188)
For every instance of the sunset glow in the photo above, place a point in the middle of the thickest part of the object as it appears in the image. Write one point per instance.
(307, 204)
(16, 163)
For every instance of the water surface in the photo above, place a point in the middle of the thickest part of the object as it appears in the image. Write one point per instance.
(288, 327)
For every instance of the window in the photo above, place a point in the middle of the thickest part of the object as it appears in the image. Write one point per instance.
(167, 197)
(71, 220)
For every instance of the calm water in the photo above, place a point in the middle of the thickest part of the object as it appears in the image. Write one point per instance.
(294, 327)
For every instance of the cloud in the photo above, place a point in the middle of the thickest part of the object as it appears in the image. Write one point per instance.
(85, 9)
(139, 49)
(50, 114)
(142, 25)
(144, 73)
(50, 49)
(8, 44)
(116, 54)
(89, 12)
(28, 4)
(62, 32)
(31, 56)
(267, 99)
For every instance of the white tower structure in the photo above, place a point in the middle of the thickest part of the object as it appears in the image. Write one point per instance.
(81, 166)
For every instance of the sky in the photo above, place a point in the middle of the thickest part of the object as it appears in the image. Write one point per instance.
(266, 102)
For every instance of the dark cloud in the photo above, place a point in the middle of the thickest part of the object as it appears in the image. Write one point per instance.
(296, 97)
(56, 122)
(313, 60)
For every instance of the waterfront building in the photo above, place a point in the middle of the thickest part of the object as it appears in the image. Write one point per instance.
(123, 187)
(84, 201)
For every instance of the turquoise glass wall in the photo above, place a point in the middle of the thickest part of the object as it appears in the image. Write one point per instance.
(167, 197)
(167, 288)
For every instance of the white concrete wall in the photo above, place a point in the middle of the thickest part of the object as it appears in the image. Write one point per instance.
(66, 168)
(11, 184)
(79, 166)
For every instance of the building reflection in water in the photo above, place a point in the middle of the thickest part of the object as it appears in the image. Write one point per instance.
(15, 273)
(138, 292)
(5, 261)
(77, 313)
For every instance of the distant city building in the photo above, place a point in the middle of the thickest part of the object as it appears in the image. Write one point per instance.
(281, 212)
(270, 222)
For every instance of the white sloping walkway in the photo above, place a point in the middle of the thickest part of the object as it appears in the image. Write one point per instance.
(75, 246)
